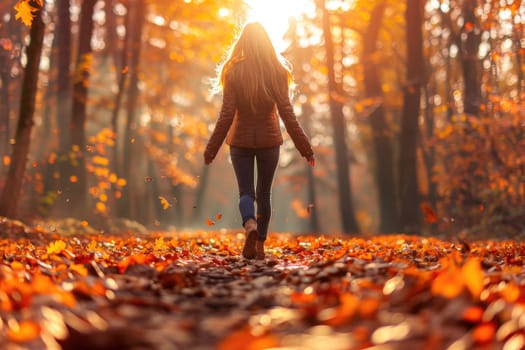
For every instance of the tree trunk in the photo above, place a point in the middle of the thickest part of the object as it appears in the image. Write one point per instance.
(381, 133)
(408, 180)
(159, 213)
(520, 64)
(121, 74)
(176, 190)
(137, 13)
(346, 209)
(62, 166)
(4, 110)
(78, 178)
(63, 82)
(13, 185)
(428, 151)
(199, 197)
(471, 39)
(310, 178)
(111, 49)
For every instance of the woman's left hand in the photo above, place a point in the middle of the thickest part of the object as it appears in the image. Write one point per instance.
(207, 159)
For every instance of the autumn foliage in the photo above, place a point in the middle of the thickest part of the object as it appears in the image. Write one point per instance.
(104, 281)
(350, 293)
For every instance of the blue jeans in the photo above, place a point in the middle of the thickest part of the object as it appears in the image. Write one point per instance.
(243, 160)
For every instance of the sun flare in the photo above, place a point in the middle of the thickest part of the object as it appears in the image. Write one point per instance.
(274, 15)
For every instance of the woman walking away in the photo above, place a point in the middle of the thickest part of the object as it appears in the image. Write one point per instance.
(255, 81)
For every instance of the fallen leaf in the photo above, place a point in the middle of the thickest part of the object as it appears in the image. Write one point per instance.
(24, 331)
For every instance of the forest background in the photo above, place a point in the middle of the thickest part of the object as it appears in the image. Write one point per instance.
(415, 110)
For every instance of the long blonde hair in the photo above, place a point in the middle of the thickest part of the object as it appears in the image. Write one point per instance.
(252, 61)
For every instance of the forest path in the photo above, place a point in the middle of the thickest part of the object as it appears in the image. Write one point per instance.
(193, 291)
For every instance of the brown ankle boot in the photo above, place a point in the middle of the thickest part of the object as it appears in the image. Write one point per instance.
(248, 251)
(259, 250)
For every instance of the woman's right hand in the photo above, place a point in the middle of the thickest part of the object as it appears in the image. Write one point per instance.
(311, 160)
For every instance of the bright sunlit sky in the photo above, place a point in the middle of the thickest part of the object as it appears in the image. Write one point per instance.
(274, 16)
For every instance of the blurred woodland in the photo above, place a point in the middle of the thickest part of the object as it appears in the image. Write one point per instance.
(415, 110)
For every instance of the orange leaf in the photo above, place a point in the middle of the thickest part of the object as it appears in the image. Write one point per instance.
(473, 276)
(346, 310)
(23, 331)
(469, 26)
(56, 247)
(448, 284)
(210, 222)
(511, 292)
(6, 160)
(430, 215)
(368, 307)
(484, 333)
(24, 12)
(80, 269)
(218, 216)
(101, 207)
(472, 314)
(164, 202)
(243, 339)
(17, 265)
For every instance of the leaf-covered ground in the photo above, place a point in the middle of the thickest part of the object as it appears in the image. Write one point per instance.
(193, 291)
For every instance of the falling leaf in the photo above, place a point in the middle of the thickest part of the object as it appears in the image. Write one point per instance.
(73, 179)
(24, 12)
(429, 213)
(6, 44)
(164, 202)
(300, 209)
(6, 160)
(148, 179)
(210, 222)
(218, 216)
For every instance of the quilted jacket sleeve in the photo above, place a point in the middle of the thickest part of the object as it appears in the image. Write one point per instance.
(293, 127)
(223, 123)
